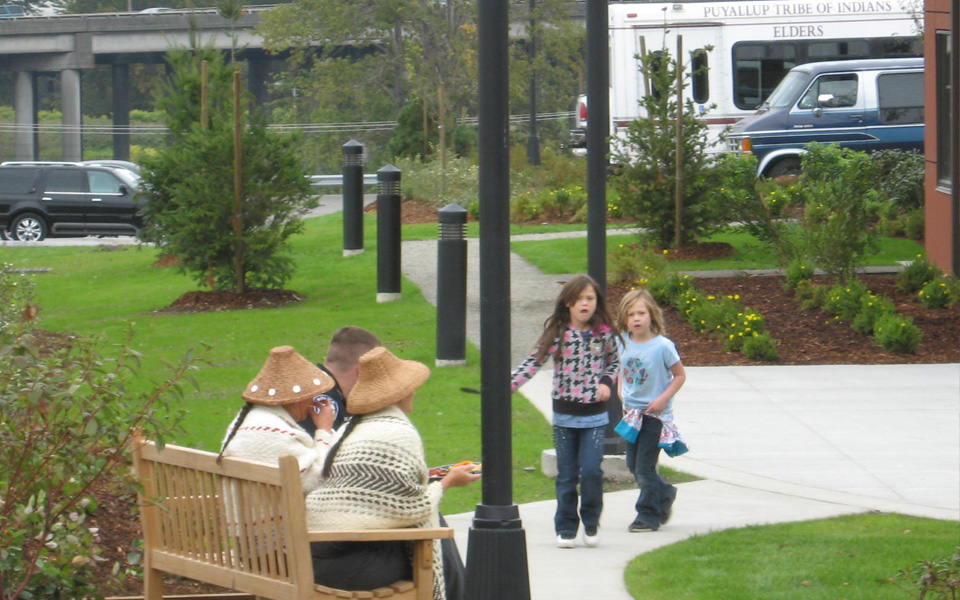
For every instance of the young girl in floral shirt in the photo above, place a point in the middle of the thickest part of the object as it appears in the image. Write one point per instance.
(580, 338)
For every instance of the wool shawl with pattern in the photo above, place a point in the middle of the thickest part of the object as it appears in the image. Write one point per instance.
(379, 479)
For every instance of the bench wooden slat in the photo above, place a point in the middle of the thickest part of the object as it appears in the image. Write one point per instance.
(377, 535)
(241, 525)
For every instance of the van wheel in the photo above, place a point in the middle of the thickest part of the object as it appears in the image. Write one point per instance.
(28, 227)
(784, 166)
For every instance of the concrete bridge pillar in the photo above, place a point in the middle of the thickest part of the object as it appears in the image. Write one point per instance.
(72, 117)
(25, 109)
(257, 73)
(121, 111)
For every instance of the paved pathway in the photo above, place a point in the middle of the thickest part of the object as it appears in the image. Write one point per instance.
(773, 444)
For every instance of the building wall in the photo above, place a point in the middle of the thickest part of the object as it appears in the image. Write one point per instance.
(940, 215)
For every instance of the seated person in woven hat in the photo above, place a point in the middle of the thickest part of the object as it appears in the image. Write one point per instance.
(283, 393)
(376, 477)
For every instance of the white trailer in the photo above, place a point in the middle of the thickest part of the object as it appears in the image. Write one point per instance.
(754, 44)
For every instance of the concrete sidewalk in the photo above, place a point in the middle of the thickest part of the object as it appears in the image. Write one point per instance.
(773, 444)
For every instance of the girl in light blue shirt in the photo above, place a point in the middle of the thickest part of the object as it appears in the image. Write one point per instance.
(651, 373)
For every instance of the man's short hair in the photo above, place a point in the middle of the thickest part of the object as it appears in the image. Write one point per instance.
(348, 344)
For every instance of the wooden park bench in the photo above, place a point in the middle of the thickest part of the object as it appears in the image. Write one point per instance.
(241, 525)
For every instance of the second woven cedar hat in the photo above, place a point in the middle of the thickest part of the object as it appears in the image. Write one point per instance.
(384, 380)
(287, 378)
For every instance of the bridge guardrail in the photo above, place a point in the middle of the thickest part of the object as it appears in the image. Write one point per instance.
(337, 180)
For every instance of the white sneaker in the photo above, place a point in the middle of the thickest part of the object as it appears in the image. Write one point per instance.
(563, 542)
(591, 541)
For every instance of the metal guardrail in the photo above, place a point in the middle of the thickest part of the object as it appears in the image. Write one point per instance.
(337, 180)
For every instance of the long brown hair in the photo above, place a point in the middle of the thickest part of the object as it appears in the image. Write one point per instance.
(555, 324)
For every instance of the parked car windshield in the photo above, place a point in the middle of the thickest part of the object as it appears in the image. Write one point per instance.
(788, 89)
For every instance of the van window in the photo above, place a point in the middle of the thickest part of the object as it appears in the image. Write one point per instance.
(758, 68)
(65, 180)
(832, 91)
(699, 83)
(901, 97)
(17, 181)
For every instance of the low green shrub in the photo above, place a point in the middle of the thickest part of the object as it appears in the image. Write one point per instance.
(900, 177)
(897, 333)
(524, 207)
(667, 289)
(936, 579)
(913, 224)
(65, 411)
(630, 263)
(613, 205)
(746, 325)
(761, 347)
(796, 271)
(563, 202)
(939, 293)
(457, 180)
(843, 299)
(917, 274)
(872, 307)
(810, 294)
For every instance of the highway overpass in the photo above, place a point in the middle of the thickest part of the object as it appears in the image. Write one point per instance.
(68, 44)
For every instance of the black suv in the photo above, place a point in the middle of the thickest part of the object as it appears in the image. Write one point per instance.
(38, 199)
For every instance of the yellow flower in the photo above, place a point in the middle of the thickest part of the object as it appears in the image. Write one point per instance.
(665, 251)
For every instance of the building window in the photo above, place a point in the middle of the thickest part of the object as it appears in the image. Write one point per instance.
(944, 131)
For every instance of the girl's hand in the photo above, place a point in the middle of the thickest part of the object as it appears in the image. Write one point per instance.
(603, 392)
(322, 413)
(460, 476)
(656, 407)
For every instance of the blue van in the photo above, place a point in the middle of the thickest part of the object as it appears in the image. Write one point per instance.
(865, 105)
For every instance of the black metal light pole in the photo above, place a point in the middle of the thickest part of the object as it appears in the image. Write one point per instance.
(598, 147)
(388, 234)
(533, 142)
(497, 548)
(352, 197)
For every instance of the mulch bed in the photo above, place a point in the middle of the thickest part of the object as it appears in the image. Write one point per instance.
(811, 337)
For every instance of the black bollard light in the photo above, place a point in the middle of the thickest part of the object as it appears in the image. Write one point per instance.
(352, 198)
(388, 234)
(452, 287)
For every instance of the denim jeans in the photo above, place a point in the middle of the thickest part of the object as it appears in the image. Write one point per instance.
(579, 458)
(656, 494)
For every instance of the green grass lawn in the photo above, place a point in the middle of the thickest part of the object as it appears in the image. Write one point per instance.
(569, 255)
(101, 290)
(847, 557)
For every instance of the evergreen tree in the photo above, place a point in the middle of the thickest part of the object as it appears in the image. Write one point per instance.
(647, 176)
(191, 212)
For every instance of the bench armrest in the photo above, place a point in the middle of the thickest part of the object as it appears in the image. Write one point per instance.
(379, 535)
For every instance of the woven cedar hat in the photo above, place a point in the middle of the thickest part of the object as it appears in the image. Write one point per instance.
(384, 380)
(286, 378)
